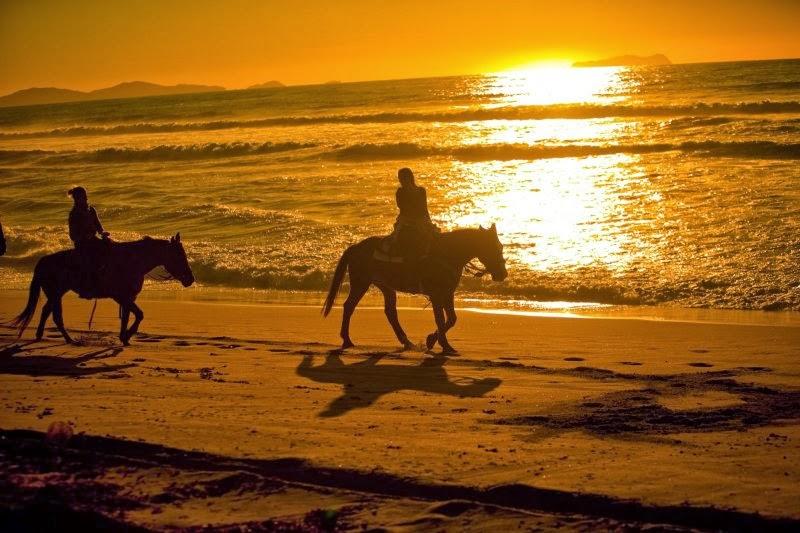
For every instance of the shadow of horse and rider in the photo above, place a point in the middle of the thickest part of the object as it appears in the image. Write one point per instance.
(366, 381)
(39, 365)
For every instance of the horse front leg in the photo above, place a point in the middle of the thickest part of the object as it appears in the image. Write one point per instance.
(124, 316)
(138, 316)
(444, 313)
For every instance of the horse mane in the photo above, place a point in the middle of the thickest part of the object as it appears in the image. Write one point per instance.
(147, 239)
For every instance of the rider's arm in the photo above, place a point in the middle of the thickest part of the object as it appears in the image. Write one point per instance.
(424, 198)
(96, 221)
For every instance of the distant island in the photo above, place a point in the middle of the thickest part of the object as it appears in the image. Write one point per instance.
(626, 61)
(267, 85)
(131, 89)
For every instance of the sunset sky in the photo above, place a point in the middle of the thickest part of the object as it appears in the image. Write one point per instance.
(85, 44)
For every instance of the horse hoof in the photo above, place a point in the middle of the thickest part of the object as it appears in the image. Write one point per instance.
(431, 340)
(347, 344)
(449, 350)
(408, 345)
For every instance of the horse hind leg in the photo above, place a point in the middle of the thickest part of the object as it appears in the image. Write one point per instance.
(46, 310)
(390, 308)
(357, 291)
(58, 318)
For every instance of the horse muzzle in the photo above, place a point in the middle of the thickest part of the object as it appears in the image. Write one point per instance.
(187, 282)
(500, 276)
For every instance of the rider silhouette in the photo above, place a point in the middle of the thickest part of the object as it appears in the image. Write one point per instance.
(413, 228)
(84, 228)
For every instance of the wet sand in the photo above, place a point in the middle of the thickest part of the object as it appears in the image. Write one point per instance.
(228, 414)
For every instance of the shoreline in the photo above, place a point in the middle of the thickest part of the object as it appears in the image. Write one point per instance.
(465, 303)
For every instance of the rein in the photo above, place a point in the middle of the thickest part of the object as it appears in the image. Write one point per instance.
(475, 270)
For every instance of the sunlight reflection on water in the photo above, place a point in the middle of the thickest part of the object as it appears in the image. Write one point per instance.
(548, 85)
(574, 209)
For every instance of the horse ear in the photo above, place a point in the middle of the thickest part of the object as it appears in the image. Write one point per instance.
(481, 228)
(494, 227)
(177, 237)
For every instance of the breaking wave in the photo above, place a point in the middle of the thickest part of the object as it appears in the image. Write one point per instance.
(499, 152)
(581, 111)
(156, 153)
(391, 151)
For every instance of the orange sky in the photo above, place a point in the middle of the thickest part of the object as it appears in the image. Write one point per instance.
(84, 44)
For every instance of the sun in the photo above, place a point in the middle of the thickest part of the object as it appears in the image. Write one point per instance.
(557, 82)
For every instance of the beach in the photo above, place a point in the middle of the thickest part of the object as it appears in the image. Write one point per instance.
(227, 414)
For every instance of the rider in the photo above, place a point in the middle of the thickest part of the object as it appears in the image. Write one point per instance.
(413, 229)
(84, 227)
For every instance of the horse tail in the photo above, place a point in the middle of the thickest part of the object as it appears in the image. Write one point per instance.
(23, 319)
(336, 282)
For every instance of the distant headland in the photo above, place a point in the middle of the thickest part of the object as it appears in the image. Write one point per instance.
(272, 84)
(626, 61)
(131, 89)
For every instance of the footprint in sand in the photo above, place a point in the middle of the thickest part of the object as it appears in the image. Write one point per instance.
(181, 343)
(574, 359)
(699, 350)
(701, 365)
(630, 363)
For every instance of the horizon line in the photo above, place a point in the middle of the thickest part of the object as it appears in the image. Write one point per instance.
(342, 82)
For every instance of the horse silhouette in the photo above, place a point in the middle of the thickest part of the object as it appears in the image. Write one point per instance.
(439, 275)
(127, 265)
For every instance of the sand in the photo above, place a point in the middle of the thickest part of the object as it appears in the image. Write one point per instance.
(232, 415)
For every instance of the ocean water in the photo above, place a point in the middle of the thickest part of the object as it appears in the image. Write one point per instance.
(675, 185)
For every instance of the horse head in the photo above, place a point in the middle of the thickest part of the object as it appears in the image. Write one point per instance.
(176, 262)
(491, 254)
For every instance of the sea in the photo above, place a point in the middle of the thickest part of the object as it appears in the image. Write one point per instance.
(673, 186)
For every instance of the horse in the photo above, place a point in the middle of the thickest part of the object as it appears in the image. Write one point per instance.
(127, 263)
(439, 275)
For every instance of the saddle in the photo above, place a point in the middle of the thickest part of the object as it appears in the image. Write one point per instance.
(387, 252)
